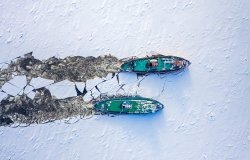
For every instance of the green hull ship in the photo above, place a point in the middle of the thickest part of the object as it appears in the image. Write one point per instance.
(128, 105)
(155, 64)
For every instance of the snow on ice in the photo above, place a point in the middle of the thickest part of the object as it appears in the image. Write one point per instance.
(207, 107)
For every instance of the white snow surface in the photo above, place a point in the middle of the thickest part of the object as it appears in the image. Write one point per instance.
(207, 107)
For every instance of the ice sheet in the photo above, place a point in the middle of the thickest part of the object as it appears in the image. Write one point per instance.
(207, 107)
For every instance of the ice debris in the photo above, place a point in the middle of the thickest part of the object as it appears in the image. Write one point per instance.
(39, 91)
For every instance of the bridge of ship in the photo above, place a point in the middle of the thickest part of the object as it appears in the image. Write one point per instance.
(154, 64)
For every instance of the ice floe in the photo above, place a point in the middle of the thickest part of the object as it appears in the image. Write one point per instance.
(15, 85)
(62, 89)
(40, 82)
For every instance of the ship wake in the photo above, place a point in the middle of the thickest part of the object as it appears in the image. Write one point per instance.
(34, 91)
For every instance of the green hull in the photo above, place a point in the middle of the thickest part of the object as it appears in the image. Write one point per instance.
(155, 64)
(128, 105)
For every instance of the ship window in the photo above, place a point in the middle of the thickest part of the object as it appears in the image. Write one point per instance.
(126, 105)
(153, 63)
